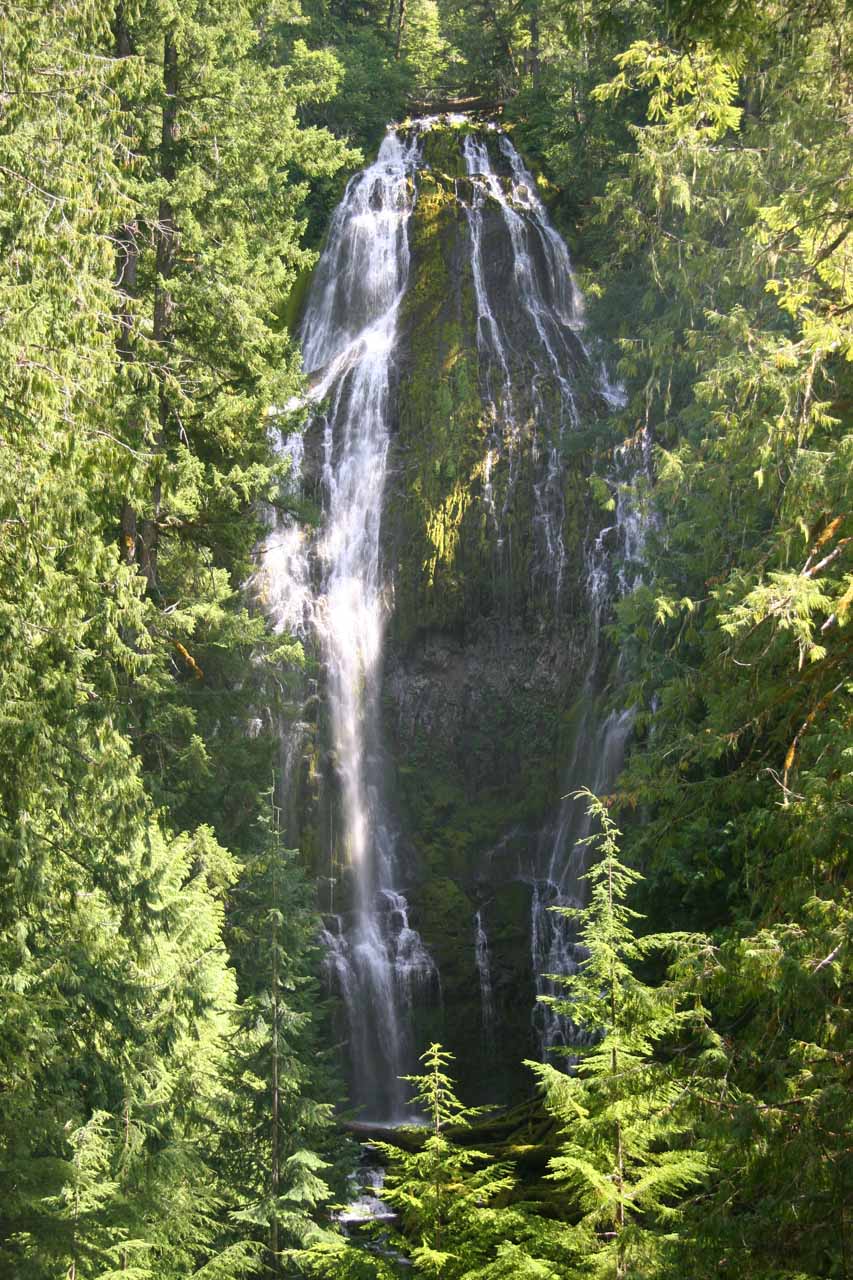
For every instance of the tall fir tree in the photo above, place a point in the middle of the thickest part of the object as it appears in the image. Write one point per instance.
(629, 1154)
(278, 1071)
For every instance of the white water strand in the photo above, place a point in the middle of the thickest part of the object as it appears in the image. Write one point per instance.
(566, 301)
(490, 335)
(366, 1204)
(598, 754)
(545, 287)
(283, 584)
(566, 298)
(634, 469)
(284, 580)
(491, 346)
(375, 959)
(361, 281)
(543, 294)
(482, 960)
(353, 314)
(362, 274)
(554, 951)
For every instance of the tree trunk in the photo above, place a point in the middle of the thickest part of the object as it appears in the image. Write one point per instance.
(620, 1158)
(166, 245)
(534, 43)
(401, 20)
(127, 263)
(275, 1161)
(491, 15)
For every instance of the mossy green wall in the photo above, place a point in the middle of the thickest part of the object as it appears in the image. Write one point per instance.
(439, 443)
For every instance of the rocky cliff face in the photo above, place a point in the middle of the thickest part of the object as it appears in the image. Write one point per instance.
(493, 575)
(490, 528)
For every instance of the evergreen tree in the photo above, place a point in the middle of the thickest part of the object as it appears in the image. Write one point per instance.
(578, 139)
(780, 1128)
(276, 1124)
(113, 1052)
(629, 1153)
(723, 265)
(734, 195)
(216, 162)
(491, 36)
(452, 1199)
(162, 165)
(144, 260)
(735, 259)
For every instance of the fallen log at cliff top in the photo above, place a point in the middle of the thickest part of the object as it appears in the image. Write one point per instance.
(441, 106)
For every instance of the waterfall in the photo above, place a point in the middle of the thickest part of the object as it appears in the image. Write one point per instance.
(333, 590)
(350, 331)
(551, 304)
(548, 295)
(559, 884)
(284, 581)
(365, 1204)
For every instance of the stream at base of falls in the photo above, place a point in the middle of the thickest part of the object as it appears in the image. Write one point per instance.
(334, 589)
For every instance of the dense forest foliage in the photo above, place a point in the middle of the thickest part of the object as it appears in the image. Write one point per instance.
(167, 1079)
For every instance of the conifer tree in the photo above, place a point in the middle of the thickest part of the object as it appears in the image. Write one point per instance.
(454, 1217)
(736, 190)
(779, 1121)
(277, 1121)
(216, 162)
(145, 253)
(629, 1153)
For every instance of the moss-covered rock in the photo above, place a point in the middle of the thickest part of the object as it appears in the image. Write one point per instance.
(294, 306)
(488, 638)
(486, 659)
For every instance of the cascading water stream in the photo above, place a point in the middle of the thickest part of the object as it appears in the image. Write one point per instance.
(350, 331)
(596, 761)
(348, 345)
(482, 960)
(545, 287)
(546, 290)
